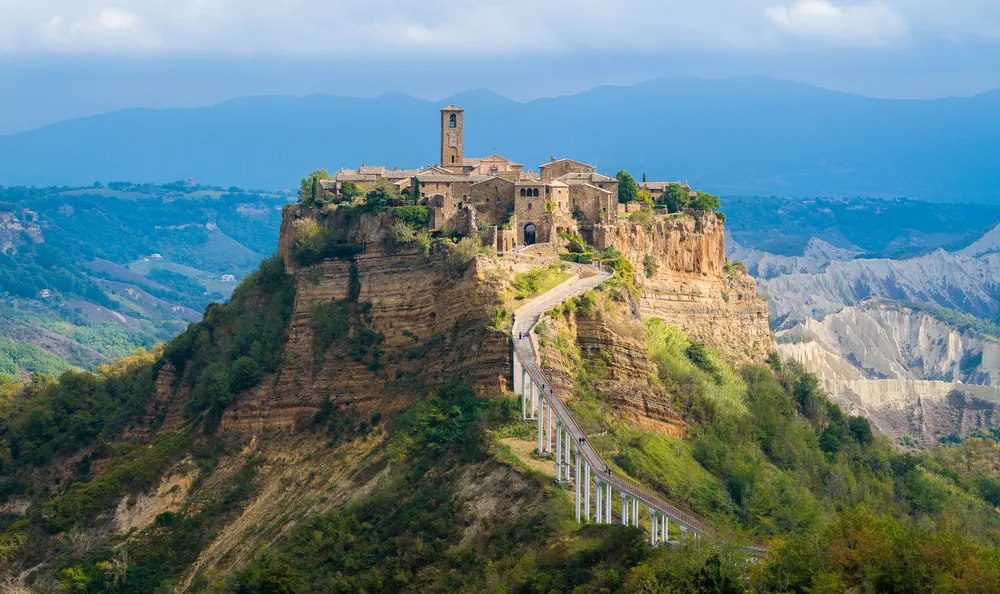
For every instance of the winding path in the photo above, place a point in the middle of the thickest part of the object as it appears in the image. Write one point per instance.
(539, 400)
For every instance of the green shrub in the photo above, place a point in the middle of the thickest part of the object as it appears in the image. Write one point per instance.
(401, 233)
(414, 216)
(649, 265)
(644, 218)
(461, 254)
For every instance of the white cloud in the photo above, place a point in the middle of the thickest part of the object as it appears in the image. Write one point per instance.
(864, 23)
(117, 19)
(359, 28)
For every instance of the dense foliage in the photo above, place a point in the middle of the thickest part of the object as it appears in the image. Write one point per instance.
(53, 417)
(770, 455)
(236, 342)
(628, 190)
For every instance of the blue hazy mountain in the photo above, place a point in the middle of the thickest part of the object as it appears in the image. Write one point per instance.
(730, 136)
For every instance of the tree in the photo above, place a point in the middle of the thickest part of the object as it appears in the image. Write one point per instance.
(307, 183)
(628, 190)
(705, 201)
(314, 190)
(379, 198)
(351, 190)
(676, 197)
(643, 178)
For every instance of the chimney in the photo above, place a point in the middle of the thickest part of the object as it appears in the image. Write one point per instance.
(552, 159)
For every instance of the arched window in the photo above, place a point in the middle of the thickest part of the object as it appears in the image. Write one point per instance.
(524, 192)
(534, 192)
(452, 121)
(453, 158)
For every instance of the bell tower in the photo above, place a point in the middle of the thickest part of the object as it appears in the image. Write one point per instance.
(451, 136)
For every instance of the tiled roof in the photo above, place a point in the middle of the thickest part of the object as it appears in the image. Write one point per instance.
(560, 161)
(400, 173)
(442, 177)
(471, 161)
(491, 178)
(578, 178)
(656, 185)
(452, 107)
(354, 177)
(327, 184)
(371, 170)
(593, 187)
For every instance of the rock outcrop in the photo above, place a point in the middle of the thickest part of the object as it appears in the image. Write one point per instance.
(606, 349)
(907, 370)
(413, 322)
(680, 263)
(375, 323)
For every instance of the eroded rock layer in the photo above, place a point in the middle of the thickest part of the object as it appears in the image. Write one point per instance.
(606, 349)
(680, 263)
(419, 323)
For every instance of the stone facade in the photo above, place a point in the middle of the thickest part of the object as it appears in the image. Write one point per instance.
(451, 137)
(493, 191)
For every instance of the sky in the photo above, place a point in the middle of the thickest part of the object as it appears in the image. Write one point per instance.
(69, 58)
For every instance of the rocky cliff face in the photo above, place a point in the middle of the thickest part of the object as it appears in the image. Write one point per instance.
(375, 323)
(907, 370)
(411, 322)
(605, 349)
(680, 262)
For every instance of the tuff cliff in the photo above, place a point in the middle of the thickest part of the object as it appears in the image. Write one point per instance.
(395, 321)
(598, 344)
(680, 263)
(376, 320)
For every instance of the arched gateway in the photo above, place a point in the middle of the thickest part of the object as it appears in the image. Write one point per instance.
(529, 234)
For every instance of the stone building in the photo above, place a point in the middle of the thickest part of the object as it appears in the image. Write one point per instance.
(496, 194)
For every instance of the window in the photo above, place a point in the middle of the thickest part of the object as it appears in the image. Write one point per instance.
(453, 158)
(452, 121)
(524, 192)
(534, 192)
(547, 188)
(529, 206)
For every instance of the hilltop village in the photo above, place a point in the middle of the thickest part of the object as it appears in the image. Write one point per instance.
(516, 207)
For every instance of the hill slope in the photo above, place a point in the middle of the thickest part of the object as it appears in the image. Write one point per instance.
(88, 275)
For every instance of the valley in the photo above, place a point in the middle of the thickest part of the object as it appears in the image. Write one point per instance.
(911, 340)
(90, 274)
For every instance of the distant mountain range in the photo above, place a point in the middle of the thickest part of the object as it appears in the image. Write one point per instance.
(730, 136)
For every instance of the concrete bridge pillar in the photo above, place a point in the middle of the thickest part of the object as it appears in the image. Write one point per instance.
(665, 529)
(567, 452)
(607, 504)
(579, 486)
(541, 427)
(524, 391)
(548, 433)
(635, 513)
(586, 492)
(558, 450)
(535, 394)
(625, 512)
(653, 527)
(599, 509)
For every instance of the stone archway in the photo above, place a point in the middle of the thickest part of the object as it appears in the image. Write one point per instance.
(529, 234)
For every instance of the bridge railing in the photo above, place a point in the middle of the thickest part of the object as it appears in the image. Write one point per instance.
(677, 511)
